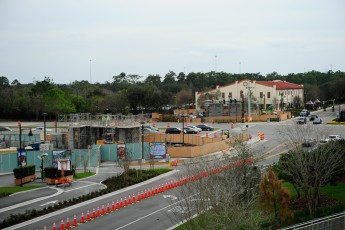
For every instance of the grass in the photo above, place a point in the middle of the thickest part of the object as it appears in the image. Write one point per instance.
(84, 175)
(334, 191)
(6, 191)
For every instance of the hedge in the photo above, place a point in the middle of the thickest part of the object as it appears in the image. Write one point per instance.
(27, 170)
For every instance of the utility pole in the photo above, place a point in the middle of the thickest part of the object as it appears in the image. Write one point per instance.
(247, 85)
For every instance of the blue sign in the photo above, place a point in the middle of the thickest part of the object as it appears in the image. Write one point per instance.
(157, 150)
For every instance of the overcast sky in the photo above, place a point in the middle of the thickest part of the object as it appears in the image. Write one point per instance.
(58, 39)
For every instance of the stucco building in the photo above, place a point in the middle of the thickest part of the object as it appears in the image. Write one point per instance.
(279, 94)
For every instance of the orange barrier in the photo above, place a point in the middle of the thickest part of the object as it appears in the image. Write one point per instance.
(262, 136)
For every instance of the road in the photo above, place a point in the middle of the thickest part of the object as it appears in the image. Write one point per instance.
(154, 212)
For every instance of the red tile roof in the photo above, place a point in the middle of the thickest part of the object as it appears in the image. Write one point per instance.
(280, 84)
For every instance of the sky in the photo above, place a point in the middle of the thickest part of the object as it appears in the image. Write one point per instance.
(89, 40)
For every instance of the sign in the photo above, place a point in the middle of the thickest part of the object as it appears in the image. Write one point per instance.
(157, 150)
(60, 155)
(21, 156)
(121, 151)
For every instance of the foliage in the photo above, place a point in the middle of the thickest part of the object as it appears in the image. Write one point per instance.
(24, 171)
(273, 196)
(52, 172)
(129, 94)
(309, 171)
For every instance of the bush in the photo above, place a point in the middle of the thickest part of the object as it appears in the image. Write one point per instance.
(27, 170)
(52, 172)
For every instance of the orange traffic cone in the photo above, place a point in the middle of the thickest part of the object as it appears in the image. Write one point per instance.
(113, 206)
(75, 220)
(138, 197)
(82, 220)
(206, 134)
(68, 224)
(88, 216)
(129, 201)
(148, 192)
(103, 210)
(117, 204)
(152, 191)
(98, 211)
(54, 226)
(108, 207)
(133, 199)
(93, 214)
(125, 202)
(121, 203)
(44, 228)
(62, 225)
(156, 190)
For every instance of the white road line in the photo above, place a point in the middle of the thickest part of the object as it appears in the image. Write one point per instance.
(153, 213)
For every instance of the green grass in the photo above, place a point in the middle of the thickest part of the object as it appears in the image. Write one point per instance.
(83, 175)
(5, 191)
(336, 191)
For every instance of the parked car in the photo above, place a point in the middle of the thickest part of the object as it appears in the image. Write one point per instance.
(312, 117)
(304, 113)
(3, 128)
(324, 140)
(174, 130)
(317, 121)
(190, 130)
(205, 127)
(194, 127)
(149, 130)
(152, 128)
(308, 142)
(334, 137)
(301, 120)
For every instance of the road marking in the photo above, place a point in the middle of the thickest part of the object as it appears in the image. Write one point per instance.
(153, 213)
(268, 152)
(170, 196)
(50, 202)
(274, 155)
(94, 183)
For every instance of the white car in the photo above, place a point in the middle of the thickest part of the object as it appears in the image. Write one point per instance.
(194, 127)
(39, 128)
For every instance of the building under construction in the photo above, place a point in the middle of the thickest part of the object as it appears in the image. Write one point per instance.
(86, 130)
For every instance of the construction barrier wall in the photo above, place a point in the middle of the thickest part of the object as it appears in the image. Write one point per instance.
(178, 138)
(195, 151)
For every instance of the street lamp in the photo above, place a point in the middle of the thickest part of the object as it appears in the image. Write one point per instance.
(41, 157)
(20, 153)
(45, 134)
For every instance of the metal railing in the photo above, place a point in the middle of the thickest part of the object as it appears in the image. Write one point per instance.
(333, 222)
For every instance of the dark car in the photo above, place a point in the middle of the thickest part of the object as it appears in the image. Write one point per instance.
(312, 117)
(304, 113)
(317, 121)
(205, 127)
(174, 130)
(308, 142)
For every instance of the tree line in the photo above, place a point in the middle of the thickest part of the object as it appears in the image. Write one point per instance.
(135, 94)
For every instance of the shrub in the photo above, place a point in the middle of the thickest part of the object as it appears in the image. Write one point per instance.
(24, 171)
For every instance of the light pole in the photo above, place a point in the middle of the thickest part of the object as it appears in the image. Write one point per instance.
(44, 131)
(20, 153)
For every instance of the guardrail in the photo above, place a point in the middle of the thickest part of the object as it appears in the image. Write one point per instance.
(333, 222)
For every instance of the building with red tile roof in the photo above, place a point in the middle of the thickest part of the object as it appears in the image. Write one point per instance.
(279, 94)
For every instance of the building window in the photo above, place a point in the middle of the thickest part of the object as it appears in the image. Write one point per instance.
(223, 95)
(261, 94)
(230, 94)
(268, 94)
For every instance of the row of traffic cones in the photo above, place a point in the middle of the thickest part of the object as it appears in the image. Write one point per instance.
(147, 193)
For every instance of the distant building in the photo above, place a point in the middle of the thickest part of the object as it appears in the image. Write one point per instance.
(278, 94)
